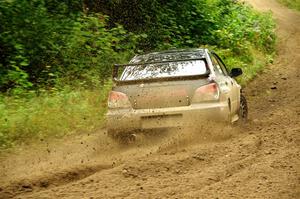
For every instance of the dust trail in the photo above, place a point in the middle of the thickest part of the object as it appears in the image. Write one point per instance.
(198, 134)
(75, 157)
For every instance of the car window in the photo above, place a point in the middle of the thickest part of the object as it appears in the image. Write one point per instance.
(216, 65)
(221, 65)
(164, 70)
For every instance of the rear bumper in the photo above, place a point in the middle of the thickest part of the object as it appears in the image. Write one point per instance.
(142, 119)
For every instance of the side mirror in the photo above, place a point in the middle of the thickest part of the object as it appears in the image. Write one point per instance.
(235, 72)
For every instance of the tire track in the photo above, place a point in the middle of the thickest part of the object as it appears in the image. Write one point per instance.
(50, 180)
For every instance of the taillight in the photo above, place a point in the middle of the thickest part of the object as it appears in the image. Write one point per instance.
(118, 100)
(206, 93)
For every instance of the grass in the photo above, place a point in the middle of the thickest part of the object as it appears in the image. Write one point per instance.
(51, 114)
(294, 4)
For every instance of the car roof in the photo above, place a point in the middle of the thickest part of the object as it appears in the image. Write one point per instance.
(176, 54)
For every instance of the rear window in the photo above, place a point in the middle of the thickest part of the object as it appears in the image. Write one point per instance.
(164, 70)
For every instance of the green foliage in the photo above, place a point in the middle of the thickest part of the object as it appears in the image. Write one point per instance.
(50, 43)
(294, 4)
(91, 50)
(30, 38)
(188, 23)
(42, 45)
(242, 27)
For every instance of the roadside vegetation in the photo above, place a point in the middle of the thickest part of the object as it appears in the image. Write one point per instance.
(294, 4)
(56, 56)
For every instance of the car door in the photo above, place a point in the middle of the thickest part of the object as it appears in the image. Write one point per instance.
(234, 86)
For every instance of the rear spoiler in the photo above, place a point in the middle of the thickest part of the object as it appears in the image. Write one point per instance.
(116, 68)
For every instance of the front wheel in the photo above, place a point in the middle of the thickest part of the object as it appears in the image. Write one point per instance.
(243, 110)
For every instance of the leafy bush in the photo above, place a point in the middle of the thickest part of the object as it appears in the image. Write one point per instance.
(40, 46)
(188, 23)
(46, 43)
(242, 27)
(30, 38)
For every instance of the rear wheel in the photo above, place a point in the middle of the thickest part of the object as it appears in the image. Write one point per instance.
(122, 137)
(243, 110)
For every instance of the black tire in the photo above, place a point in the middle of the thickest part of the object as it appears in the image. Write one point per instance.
(122, 138)
(243, 111)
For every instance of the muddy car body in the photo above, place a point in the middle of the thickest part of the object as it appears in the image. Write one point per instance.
(172, 89)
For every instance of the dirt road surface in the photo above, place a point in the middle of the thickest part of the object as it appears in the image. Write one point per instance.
(258, 160)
